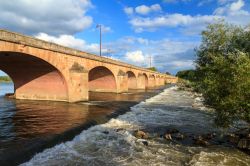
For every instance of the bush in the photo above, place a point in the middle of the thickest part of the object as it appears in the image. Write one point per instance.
(223, 71)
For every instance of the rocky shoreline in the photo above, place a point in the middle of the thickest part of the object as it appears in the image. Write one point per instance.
(239, 139)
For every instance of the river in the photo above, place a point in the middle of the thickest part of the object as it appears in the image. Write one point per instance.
(113, 142)
(28, 127)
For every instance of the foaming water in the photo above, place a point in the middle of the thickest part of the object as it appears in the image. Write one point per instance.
(113, 143)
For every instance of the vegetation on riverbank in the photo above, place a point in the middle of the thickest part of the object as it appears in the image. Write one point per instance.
(5, 79)
(222, 72)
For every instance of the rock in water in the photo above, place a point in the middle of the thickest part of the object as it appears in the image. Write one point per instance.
(168, 136)
(200, 141)
(244, 144)
(140, 134)
(233, 138)
(179, 136)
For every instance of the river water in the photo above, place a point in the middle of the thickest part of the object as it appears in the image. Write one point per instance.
(112, 142)
(28, 127)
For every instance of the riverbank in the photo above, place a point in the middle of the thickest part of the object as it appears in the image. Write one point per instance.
(139, 137)
(37, 125)
(5, 79)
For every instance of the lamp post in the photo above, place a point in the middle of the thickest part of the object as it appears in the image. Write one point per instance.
(100, 27)
(150, 61)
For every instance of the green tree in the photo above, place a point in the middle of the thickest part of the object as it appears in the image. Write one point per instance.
(152, 68)
(168, 73)
(186, 74)
(223, 71)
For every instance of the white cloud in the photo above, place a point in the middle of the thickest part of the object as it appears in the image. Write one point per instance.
(128, 10)
(231, 8)
(70, 41)
(143, 9)
(106, 29)
(155, 7)
(53, 17)
(135, 56)
(142, 41)
(231, 12)
(165, 53)
(169, 20)
(237, 5)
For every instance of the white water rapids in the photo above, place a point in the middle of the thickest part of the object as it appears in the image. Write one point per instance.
(113, 143)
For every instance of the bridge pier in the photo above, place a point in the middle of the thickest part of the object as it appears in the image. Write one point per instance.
(122, 82)
(142, 81)
(78, 84)
(151, 81)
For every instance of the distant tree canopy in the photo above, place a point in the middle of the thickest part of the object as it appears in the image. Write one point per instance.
(152, 68)
(223, 71)
(168, 73)
(186, 74)
(5, 79)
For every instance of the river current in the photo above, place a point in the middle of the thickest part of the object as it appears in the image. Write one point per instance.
(113, 143)
(29, 127)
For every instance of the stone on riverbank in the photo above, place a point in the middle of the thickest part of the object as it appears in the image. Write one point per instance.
(244, 144)
(168, 136)
(178, 136)
(140, 134)
(200, 141)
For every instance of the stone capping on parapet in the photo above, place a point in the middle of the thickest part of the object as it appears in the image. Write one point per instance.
(14, 37)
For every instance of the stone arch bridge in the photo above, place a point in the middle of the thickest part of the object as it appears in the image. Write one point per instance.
(42, 70)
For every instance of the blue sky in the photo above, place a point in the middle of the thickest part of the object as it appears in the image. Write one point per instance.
(133, 30)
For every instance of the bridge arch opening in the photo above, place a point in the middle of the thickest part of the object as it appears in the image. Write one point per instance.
(132, 82)
(101, 79)
(6, 84)
(33, 78)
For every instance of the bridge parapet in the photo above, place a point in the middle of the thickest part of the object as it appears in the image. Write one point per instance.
(37, 43)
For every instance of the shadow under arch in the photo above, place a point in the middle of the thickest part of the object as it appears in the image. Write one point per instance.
(132, 81)
(33, 77)
(146, 80)
(101, 79)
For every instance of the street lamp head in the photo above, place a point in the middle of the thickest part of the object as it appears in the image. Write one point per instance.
(98, 25)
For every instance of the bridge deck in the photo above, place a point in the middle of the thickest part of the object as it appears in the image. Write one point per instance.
(37, 43)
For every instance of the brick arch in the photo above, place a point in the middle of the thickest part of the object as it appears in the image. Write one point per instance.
(33, 77)
(102, 79)
(132, 81)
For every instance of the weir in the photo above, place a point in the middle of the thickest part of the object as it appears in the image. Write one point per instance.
(43, 70)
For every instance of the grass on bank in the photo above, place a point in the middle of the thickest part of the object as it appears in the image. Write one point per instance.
(5, 79)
